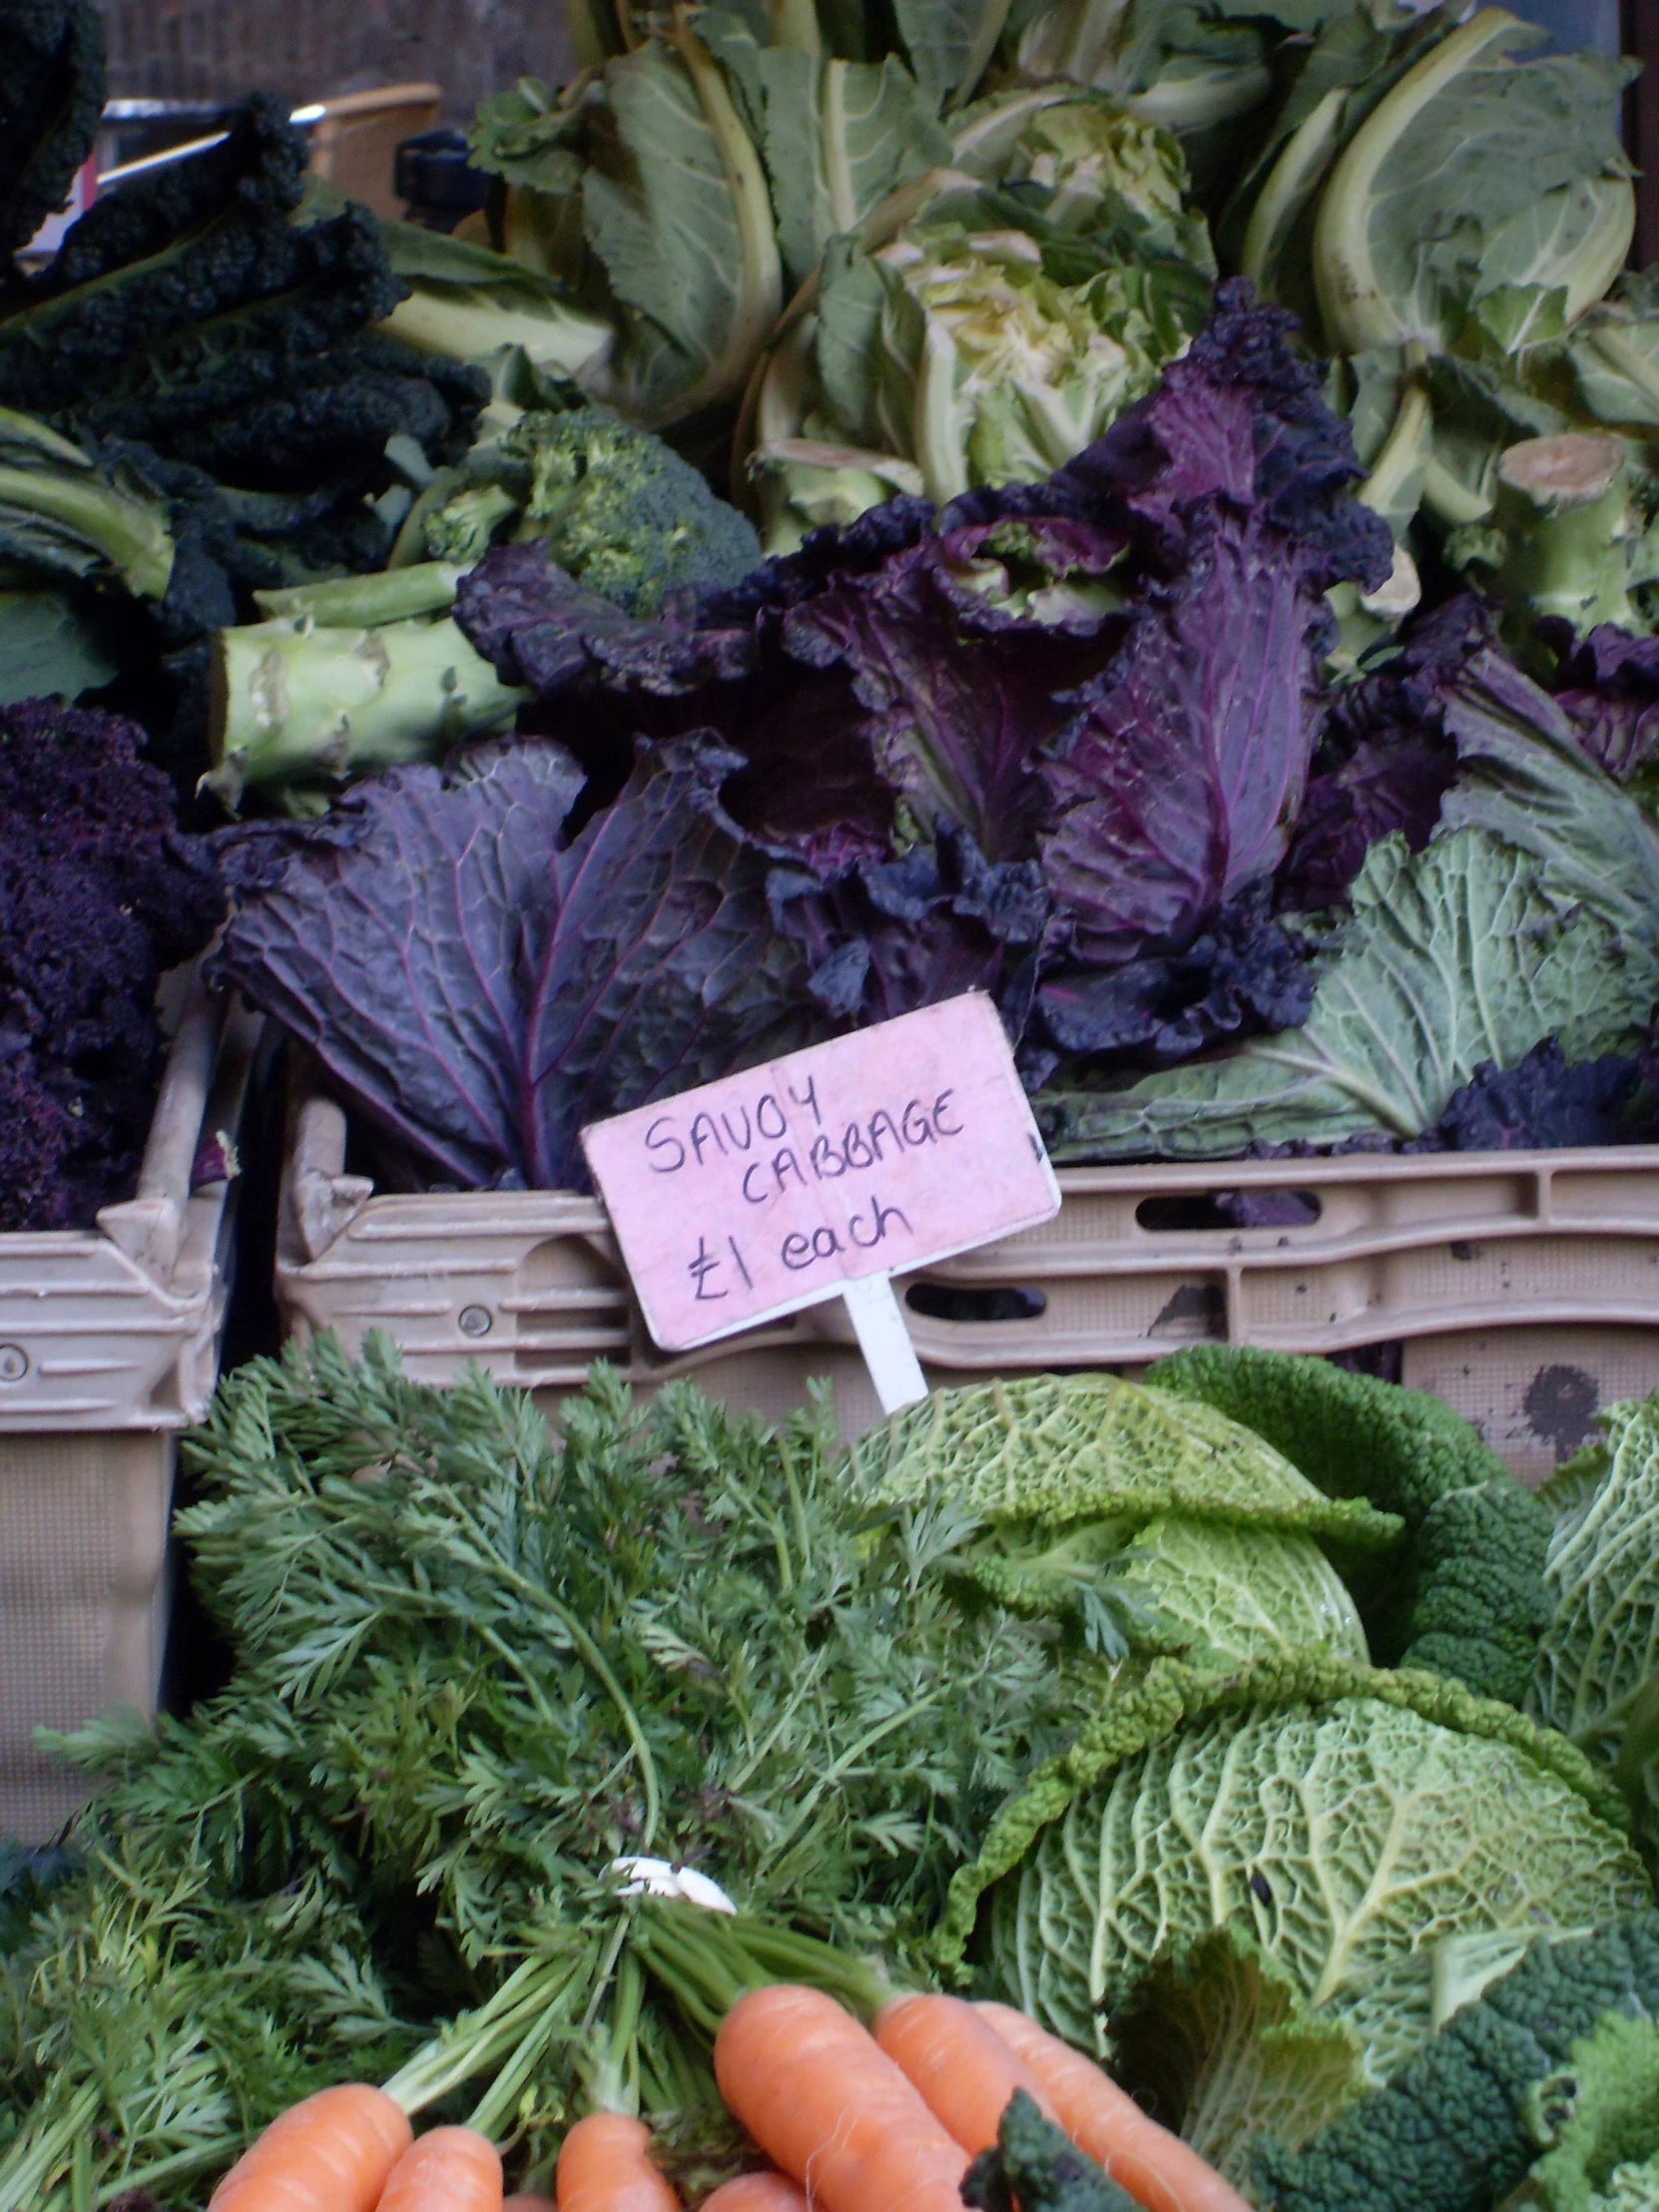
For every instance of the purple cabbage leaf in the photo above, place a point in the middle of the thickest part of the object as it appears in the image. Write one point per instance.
(481, 983)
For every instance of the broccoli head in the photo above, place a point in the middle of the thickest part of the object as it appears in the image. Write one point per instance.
(614, 505)
(51, 99)
(99, 893)
(1457, 2128)
(1466, 1593)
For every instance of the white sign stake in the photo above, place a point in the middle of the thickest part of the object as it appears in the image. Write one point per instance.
(822, 1175)
(879, 1322)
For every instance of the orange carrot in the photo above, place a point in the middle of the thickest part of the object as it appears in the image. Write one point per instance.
(762, 2192)
(527, 2201)
(963, 2070)
(448, 2169)
(604, 2166)
(827, 2103)
(1107, 2125)
(328, 2153)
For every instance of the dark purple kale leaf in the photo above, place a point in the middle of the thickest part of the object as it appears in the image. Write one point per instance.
(481, 983)
(99, 895)
(886, 939)
(1242, 412)
(1608, 683)
(1543, 1102)
(1384, 760)
(1241, 976)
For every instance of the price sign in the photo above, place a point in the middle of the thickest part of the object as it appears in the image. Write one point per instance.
(820, 1175)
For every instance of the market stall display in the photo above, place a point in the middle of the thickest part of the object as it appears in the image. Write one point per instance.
(1148, 513)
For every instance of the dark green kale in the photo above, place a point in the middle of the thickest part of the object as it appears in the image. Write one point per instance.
(1037, 2168)
(1451, 2132)
(51, 98)
(211, 312)
(1465, 1594)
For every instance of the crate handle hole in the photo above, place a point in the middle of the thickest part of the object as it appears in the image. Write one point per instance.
(964, 1302)
(1185, 1213)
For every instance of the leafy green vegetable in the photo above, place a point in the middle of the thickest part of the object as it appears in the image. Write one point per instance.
(651, 206)
(466, 300)
(1600, 2118)
(52, 84)
(1466, 1593)
(840, 136)
(1597, 1677)
(1064, 1449)
(1220, 2042)
(63, 516)
(1462, 954)
(1453, 2129)
(1528, 156)
(1350, 1819)
(48, 647)
(473, 1668)
(1234, 1593)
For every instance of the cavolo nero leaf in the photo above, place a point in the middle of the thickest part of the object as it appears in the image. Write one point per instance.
(1597, 1674)
(1349, 1821)
(1466, 952)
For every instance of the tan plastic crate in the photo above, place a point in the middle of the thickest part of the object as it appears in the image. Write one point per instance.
(1525, 1287)
(109, 1346)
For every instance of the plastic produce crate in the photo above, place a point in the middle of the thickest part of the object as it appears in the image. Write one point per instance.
(109, 1346)
(1523, 1287)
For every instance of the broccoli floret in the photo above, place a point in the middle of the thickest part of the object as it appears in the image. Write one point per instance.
(1466, 1595)
(98, 894)
(1037, 2168)
(51, 99)
(615, 506)
(1452, 2132)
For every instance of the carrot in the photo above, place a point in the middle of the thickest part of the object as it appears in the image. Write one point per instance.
(604, 2166)
(448, 2169)
(328, 2153)
(1107, 2125)
(527, 2201)
(963, 2070)
(827, 2103)
(762, 2192)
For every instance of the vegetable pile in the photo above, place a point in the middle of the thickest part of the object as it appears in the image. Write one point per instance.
(1174, 1732)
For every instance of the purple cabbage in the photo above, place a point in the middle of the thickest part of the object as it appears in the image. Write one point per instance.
(481, 983)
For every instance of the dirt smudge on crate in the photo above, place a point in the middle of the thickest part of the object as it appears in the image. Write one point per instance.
(1560, 1404)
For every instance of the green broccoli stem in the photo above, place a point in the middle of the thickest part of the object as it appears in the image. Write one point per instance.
(363, 602)
(292, 700)
(1562, 508)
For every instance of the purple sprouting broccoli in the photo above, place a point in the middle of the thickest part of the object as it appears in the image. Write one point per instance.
(99, 893)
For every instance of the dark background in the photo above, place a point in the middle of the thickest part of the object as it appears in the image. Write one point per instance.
(310, 49)
(314, 49)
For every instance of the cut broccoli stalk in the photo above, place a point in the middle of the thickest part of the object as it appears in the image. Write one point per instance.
(59, 511)
(1564, 516)
(363, 602)
(294, 701)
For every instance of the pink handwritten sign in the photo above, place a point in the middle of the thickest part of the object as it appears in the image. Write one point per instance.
(875, 1153)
